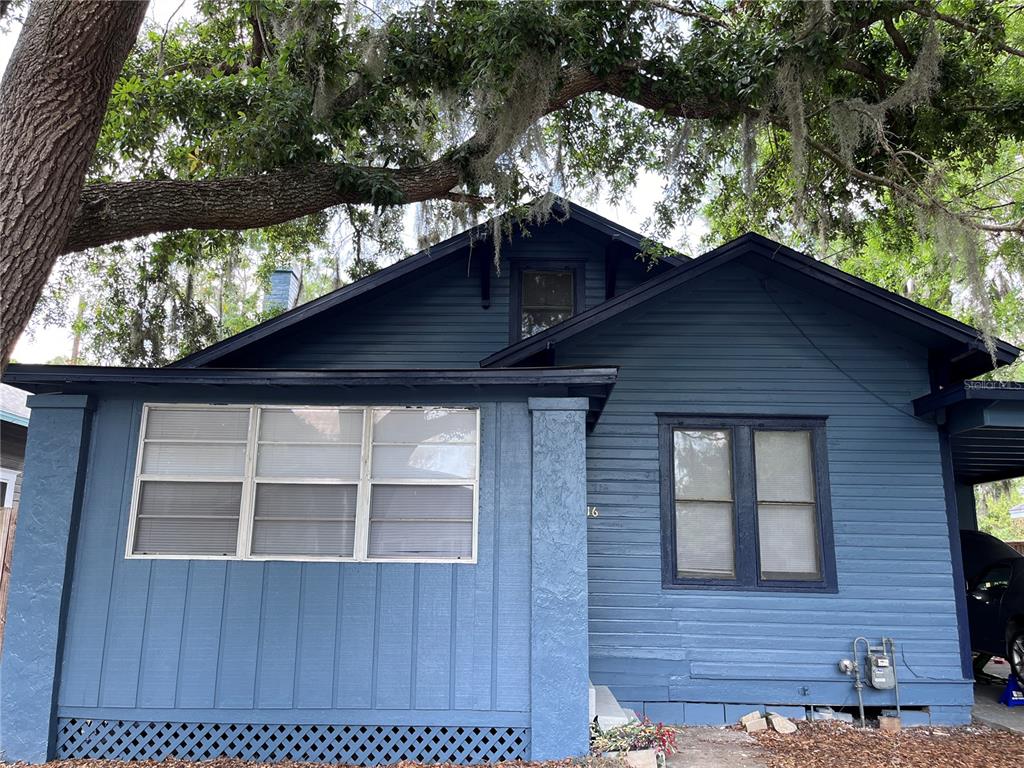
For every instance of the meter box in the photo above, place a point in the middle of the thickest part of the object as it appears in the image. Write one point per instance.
(881, 673)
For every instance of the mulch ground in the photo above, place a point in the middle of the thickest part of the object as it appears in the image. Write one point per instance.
(836, 745)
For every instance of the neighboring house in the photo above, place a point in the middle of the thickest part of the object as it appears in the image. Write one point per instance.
(14, 416)
(359, 532)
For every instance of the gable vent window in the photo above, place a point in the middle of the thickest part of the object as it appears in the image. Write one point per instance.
(547, 300)
(746, 504)
(543, 294)
(307, 483)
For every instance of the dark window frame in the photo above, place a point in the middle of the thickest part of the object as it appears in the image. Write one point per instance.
(744, 479)
(518, 266)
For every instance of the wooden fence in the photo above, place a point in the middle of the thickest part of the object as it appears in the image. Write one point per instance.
(8, 518)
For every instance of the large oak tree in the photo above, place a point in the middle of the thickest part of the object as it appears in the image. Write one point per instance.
(865, 123)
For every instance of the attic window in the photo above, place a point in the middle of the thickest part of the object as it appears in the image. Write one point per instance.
(544, 295)
(306, 483)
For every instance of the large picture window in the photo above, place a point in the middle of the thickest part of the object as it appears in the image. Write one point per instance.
(306, 483)
(746, 503)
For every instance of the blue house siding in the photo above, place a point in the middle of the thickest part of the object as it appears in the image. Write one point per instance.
(723, 346)
(435, 319)
(343, 643)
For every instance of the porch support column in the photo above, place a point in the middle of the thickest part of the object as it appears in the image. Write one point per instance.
(559, 656)
(43, 554)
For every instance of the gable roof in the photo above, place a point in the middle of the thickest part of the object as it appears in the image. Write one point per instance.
(963, 344)
(389, 275)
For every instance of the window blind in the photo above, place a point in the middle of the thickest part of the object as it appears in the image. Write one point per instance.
(190, 481)
(423, 484)
(304, 482)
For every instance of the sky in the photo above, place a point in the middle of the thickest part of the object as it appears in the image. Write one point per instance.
(44, 343)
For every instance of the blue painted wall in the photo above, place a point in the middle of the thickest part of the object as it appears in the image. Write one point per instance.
(214, 641)
(721, 345)
(435, 319)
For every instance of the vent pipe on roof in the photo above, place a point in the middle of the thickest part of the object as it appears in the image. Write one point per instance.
(284, 290)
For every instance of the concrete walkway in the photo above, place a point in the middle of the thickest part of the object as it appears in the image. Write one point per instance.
(987, 709)
(715, 748)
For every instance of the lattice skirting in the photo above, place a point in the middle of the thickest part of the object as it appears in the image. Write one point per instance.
(352, 744)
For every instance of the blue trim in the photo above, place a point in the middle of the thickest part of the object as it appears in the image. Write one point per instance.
(956, 556)
(305, 716)
(747, 551)
(13, 418)
(59, 401)
(435, 255)
(764, 254)
(42, 378)
(991, 391)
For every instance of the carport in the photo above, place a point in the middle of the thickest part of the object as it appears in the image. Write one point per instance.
(982, 442)
(984, 425)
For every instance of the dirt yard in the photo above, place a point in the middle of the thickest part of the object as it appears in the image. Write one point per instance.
(833, 745)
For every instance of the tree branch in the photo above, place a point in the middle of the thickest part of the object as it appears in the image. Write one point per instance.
(953, 21)
(688, 10)
(117, 211)
(899, 42)
(908, 193)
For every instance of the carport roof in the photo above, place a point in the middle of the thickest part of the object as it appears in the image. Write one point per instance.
(985, 420)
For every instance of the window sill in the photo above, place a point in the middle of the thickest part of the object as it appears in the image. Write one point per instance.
(808, 587)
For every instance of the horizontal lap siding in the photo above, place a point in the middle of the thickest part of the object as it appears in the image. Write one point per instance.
(435, 319)
(287, 642)
(723, 346)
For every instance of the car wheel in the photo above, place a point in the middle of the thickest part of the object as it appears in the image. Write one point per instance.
(1016, 654)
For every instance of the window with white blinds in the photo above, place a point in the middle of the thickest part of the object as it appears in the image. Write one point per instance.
(307, 483)
(746, 503)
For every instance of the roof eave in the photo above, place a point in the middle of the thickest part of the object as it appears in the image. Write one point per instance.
(36, 378)
(969, 340)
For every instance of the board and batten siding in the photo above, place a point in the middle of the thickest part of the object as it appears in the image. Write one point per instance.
(346, 643)
(722, 345)
(435, 319)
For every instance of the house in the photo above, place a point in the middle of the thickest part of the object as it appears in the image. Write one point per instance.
(412, 518)
(14, 415)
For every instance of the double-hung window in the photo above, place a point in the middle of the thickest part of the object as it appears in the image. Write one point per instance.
(745, 503)
(306, 483)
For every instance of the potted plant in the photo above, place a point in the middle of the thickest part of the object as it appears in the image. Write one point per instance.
(641, 743)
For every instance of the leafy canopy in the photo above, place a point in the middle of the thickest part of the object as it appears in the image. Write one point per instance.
(883, 136)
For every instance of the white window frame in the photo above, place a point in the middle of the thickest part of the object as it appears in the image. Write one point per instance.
(364, 485)
(9, 476)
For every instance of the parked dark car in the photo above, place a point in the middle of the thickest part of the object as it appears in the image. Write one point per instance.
(994, 572)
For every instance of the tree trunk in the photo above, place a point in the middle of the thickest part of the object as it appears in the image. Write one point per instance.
(52, 101)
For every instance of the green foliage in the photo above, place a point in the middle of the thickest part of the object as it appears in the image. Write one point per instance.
(994, 501)
(639, 734)
(886, 141)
